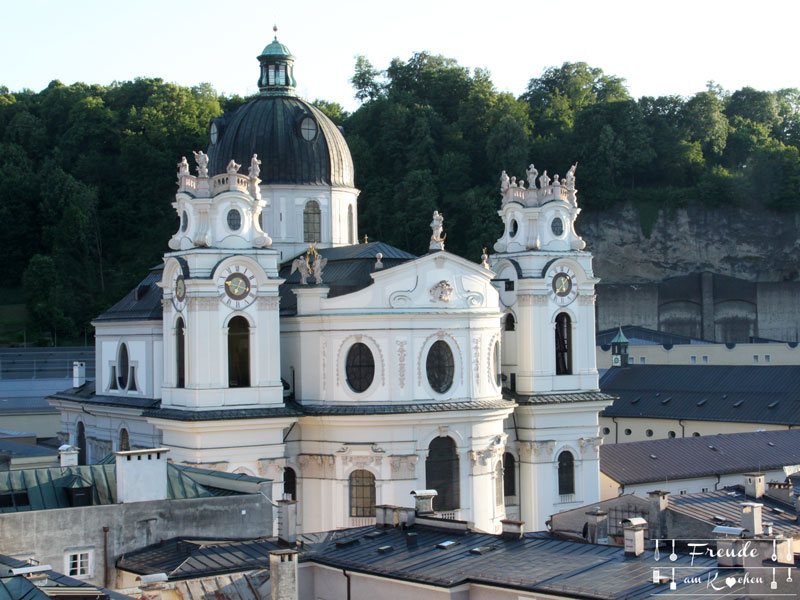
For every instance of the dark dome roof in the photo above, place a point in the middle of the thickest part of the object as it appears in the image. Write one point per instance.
(270, 126)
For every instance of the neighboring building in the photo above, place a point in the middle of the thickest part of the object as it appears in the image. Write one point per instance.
(81, 518)
(354, 372)
(674, 401)
(697, 464)
(649, 347)
(22, 451)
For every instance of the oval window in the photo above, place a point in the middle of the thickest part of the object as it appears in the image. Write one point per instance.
(234, 219)
(308, 128)
(214, 133)
(122, 367)
(513, 227)
(185, 221)
(439, 367)
(557, 226)
(359, 367)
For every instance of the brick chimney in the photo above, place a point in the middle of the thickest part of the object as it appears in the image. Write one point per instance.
(283, 574)
(659, 502)
(424, 500)
(754, 485)
(751, 518)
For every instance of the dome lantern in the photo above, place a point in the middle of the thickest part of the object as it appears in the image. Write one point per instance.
(277, 69)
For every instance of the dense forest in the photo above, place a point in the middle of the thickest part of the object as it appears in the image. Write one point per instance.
(87, 172)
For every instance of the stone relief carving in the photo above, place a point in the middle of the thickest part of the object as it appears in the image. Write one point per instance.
(532, 300)
(317, 465)
(493, 451)
(404, 465)
(490, 364)
(202, 303)
(586, 299)
(476, 359)
(590, 444)
(401, 362)
(442, 292)
(268, 302)
(324, 354)
(271, 468)
(538, 451)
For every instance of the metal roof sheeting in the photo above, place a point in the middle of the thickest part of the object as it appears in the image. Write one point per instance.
(749, 394)
(142, 303)
(702, 456)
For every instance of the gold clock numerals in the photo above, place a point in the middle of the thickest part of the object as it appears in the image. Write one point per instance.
(237, 286)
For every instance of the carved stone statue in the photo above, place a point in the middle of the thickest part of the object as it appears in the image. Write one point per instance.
(301, 264)
(556, 181)
(255, 167)
(437, 239)
(544, 180)
(183, 167)
(571, 177)
(317, 263)
(485, 260)
(233, 167)
(504, 182)
(513, 181)
(442, 292)
(532, 173)
(201, 158)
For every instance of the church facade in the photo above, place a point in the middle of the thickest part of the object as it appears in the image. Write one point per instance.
(270, 342)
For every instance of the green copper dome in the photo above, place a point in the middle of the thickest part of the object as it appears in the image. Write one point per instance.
(275, 48)
(277, 69)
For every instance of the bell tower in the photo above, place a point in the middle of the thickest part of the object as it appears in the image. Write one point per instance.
(547, 289)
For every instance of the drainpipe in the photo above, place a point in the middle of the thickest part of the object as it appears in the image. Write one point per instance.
(616, 430)
(105, 556)
(683, 428)
(716, 484)
(344, 572)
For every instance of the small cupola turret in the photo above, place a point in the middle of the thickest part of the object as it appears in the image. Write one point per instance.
(619, 350)
(277, 69)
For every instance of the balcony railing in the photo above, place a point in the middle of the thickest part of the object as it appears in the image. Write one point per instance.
(361, 521)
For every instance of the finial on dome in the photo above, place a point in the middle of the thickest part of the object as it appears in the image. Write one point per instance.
(275, 29)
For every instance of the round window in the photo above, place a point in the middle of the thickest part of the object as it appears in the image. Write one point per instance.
(671, 434)
(606, 431)
(649, 433)
(308, 128)
(184, 221)
(234, 219)
(627, 432)
(557, 226)
(359, 367)
(513, 227)
(439, 367)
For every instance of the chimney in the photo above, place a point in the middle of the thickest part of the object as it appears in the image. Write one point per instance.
(754, 485)
(68, 455)
(283, 573)
(597, 530)
(78, 373)
(424, 499)
(287, 522)
(659, 502)
(512, 530)
(751, 518)
(633, 529)
(141, 475)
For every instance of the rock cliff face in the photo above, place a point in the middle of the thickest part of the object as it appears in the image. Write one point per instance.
(751, 244)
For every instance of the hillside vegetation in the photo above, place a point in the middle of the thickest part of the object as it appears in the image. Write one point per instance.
(87, 172)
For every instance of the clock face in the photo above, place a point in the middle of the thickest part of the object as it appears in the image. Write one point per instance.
(562, 285)
(237, 286)
(178, 291)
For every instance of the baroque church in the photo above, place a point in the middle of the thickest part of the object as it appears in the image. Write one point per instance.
(270, 342)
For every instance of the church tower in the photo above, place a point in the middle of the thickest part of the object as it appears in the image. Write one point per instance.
(547, 289)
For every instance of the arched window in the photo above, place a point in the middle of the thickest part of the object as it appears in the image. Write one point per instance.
(312, 218)
(442, 474)
(122, 367)
(509, 475)
(566, 473)
(289, 483)
(359, 367)
(238, 353)
(498, 483)
(439, 366)
(180, 354)
(81, 443)
(351, 229)
(362, 494)
(563, 344)
(124, 441)
(509, 323)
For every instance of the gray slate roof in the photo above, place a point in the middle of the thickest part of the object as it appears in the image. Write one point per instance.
(641, 336)
(685, 458)
(142, 303)
(749, 394)
(15, 449)
(86, 395)
(568, 398)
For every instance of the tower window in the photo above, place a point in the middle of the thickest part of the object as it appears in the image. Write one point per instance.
(359, 367)
(122, 367)
(509, 475)
(312, 218)
(272, 75)
(180, 354)
(289, 483)
(238, 353)
(124, 441)
(510, 324)
(513, 227)
(362, 494)
(234, 219)
(566, 473)
(440, 367)
(441, 473)
(563, 344)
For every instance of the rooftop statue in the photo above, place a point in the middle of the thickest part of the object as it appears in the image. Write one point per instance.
(255, 167)
(504, 182)
(233, 167)
(183, 167)
(437, 239)
(201, 158)
(532, 173)
(301, 264)
(571, 177)
(544, 180)
(318, 264)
